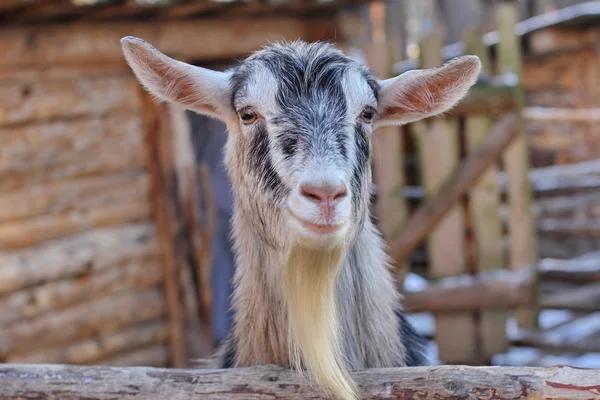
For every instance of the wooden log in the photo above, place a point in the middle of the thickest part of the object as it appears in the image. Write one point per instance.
(577, 270)
(428, 214)
(92, 285)
(554, 40)
(271, 382)
(100, 346)
(31, 232)
(563, 80)
(53, 151)
(74, 256)
(35, 100)
(566, 139)
(99, 43)
(152, 356)
(498, 290)
(79, 195)
(577, 335)
(107, 314)
(562, 227)
(584, 298)
(31, 74)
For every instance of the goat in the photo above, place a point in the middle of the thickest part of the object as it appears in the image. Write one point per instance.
(314, 289)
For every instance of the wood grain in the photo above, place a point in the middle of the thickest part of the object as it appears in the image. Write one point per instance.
(33, 382)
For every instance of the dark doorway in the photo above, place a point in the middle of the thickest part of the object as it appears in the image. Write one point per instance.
(209, 137)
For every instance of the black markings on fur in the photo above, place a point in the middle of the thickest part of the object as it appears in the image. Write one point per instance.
(227, 359)
(413, 342)
(260, 157)
(289, 143)
(363, 157)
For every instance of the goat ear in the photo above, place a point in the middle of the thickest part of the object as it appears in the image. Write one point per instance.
(198, 89)
(420, 94)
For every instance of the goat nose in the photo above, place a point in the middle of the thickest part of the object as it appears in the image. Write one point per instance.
(322, 194)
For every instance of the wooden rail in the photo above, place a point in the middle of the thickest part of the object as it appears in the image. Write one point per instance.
(270, 382)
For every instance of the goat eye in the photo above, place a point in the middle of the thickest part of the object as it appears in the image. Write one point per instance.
(248, 117)
(367, 115)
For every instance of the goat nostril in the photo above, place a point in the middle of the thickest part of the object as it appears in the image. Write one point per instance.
(318, 194)
(311, 193)
(341, 194)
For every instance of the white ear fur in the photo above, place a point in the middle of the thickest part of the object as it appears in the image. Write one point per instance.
(420, 94)
(198, 89)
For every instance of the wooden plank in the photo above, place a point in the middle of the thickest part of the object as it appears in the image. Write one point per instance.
(173, 233)
(54, 296)
(272, 382)
(53, 151)
(108, 314)
(93, 250)
(523, 240)
(436, 206)
(438, 147)
(185, 179)
(388, 153)
(484, 201)
(99, 346)
(44, 99)
(100, 43)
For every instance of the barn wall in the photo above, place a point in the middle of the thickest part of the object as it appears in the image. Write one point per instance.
(80, 268)
(563, 71)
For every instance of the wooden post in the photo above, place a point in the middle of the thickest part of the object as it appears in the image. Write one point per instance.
(523, 240)
(484, 202)
(186, 335)
(388, 152)
(438, 146)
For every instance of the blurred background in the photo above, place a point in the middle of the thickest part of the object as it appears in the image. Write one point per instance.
(114, 210)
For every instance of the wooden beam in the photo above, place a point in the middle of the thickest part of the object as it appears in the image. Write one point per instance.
(433, 210)
(270, 382)
(185, 331)
(194, 8)
(486, 99)
(499, 290)
(82, 43)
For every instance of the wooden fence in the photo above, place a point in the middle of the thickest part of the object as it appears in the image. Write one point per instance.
(457, 160)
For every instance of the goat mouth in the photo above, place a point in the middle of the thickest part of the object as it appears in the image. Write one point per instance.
(321, 229)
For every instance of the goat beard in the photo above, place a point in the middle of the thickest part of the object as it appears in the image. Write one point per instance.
(313, 327)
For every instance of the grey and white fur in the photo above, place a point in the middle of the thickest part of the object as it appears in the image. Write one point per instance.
(301, 118)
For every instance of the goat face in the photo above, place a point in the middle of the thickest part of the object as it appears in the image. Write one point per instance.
(301, 118)
(305, 116)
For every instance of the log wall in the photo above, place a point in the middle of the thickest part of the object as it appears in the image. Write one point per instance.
(89, 228)
(561, 72)
(81, 274)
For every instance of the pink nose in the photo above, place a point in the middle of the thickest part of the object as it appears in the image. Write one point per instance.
(322, 194)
